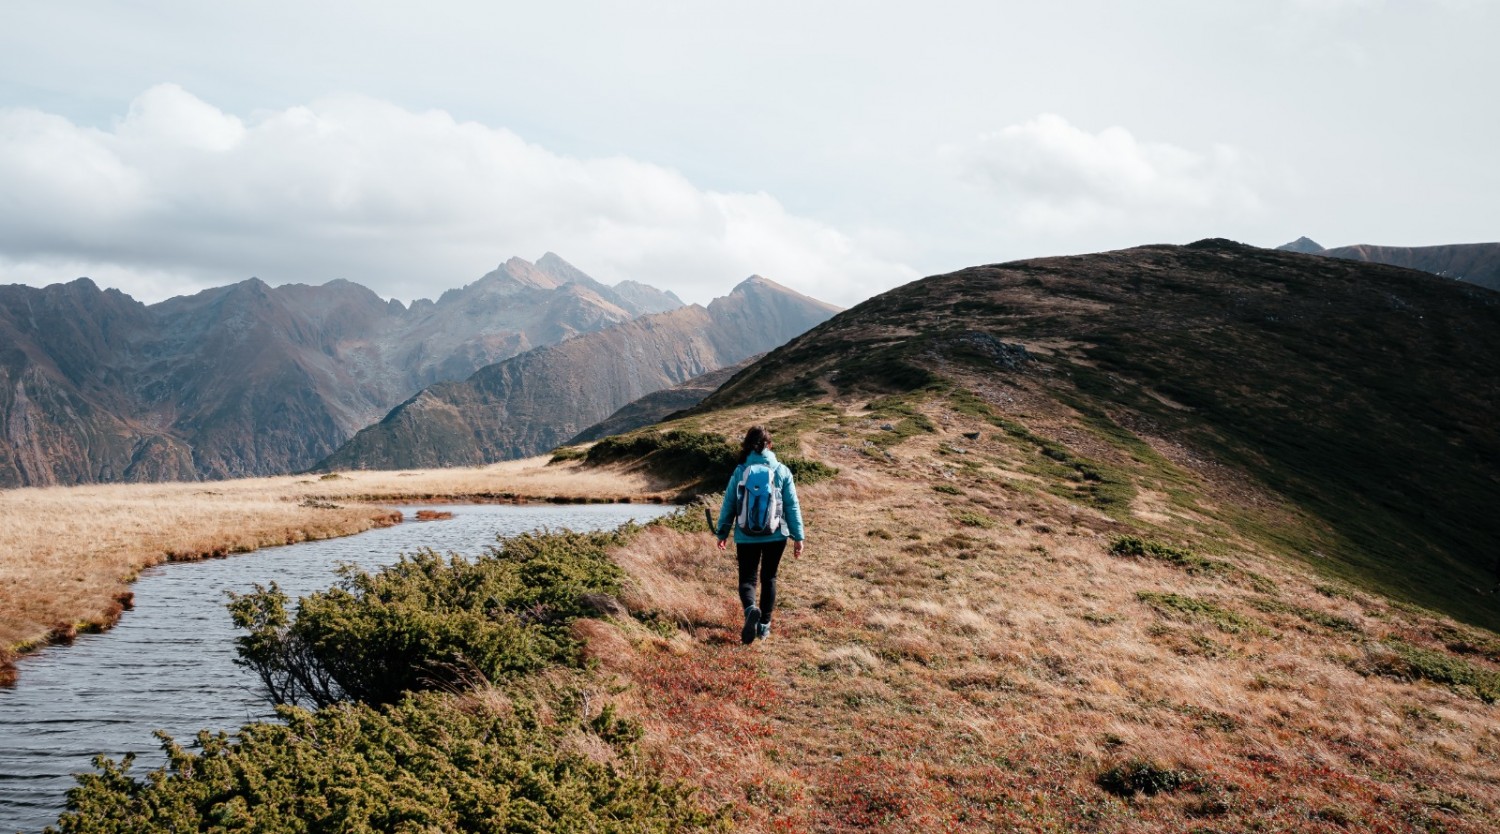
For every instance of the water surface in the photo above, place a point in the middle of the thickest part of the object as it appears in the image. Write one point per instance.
(169, 664)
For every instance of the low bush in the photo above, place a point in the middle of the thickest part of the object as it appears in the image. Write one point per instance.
(1403, 661)
(1134, 546)
(695, 458)
(428, 622)
(679, 455)
(1329, 621)
(969, 518)
(1181, 607)
(688, 519)
(1141, 776)
(563, 454)
(432, 763)
(806, 471)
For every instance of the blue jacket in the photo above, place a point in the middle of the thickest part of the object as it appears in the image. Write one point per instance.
(791, 511)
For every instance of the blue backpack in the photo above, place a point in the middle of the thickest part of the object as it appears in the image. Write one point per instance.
(759, 501)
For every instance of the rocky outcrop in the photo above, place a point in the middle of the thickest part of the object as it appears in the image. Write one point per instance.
(251, 379)
(541, 399)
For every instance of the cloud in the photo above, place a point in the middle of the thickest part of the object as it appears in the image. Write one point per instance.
(1050, 176)
(178, 195)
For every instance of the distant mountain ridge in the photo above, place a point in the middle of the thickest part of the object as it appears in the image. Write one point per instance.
(250, 379)
(659, 405)
(541, 399)
(1476, 263)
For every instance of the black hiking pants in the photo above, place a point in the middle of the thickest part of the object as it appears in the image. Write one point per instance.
(764, 558)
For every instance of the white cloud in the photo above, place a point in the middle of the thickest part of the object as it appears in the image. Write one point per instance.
(178, 195)
(1052, 177)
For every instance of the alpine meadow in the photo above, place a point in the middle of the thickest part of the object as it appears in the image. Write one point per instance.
(1167, 539)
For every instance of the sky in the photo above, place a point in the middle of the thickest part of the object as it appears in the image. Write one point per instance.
(839, 147)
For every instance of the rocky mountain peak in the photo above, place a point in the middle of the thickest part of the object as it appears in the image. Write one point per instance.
(1304, 245)
(561, 271)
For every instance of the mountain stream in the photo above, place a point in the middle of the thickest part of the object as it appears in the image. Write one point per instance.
(169, 663)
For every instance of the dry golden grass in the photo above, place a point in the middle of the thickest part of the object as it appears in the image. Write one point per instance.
(924, 675)
(68, 553)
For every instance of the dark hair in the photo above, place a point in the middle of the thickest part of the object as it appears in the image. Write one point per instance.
(756, 440)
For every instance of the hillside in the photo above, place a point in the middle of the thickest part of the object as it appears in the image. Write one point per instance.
(1476, 263)
(251, 379)
(1359, 397)
(538, 400)
(1094, 558)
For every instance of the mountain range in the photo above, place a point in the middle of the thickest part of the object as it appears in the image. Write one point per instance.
(1476, 263)
(538, 400)
(250, 379)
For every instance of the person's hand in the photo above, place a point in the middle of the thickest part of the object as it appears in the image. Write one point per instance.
(797, 550)
(723, 543)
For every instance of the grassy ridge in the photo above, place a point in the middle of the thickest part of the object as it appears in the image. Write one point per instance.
(1361, 396)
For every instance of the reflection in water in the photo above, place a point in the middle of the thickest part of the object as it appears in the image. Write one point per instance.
(169, 664)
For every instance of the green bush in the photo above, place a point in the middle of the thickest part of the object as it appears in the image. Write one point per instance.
(1329, 621)
(563, 454)
(695, 458)
(433, 763)
(970, 518)
(688, 519)
(1408, 662)
(428, 622)
(1181, 607)
(1134, 546)
(678, 454)
(1142, 776)
(806, 471)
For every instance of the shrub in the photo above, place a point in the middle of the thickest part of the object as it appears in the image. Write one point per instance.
(680, 455)
(431, 763)
(948, 489)
(1329, 621)
(1142, 776)
(1134, 546)
(563, 454)
(806, 471)
(1175, 605)
(1404, 661)
(426, 622)
(688, 519)
(969, 518)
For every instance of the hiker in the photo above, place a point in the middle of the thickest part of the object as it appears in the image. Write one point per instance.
(760, 504)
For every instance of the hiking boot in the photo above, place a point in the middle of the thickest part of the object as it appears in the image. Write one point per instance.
(763, 630)
(752, 625)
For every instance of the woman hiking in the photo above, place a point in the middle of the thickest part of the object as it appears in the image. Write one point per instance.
(760, 504)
